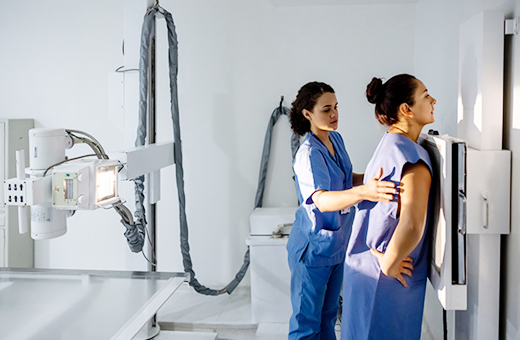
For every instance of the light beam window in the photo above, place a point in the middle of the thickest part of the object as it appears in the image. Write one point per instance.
(106, 184)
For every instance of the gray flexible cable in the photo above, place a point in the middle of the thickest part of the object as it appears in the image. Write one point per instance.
(138, 234)
(133, 231)
(125, 213)
(147, 32)
(146, 35)
(295, 144)
(98, 144)
(67, 160)
(91, 145)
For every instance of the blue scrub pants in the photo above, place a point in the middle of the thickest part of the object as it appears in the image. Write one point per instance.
(315, 300)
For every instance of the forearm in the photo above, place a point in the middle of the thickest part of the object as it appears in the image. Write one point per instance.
(337, 200)
(413, 210)
(374, 190)
(405, 239)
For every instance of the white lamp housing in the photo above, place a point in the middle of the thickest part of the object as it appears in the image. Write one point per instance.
(85, 184)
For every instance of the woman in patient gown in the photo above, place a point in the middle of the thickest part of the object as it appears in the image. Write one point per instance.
(387, 257)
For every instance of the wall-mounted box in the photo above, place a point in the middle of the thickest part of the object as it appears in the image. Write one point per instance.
(488, 191)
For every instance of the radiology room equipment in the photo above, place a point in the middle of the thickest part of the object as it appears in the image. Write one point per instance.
(270, 274)
(471, 200)
(471, 196)
(472, 182)
(267, 253)
(54, 186)
(48, 304)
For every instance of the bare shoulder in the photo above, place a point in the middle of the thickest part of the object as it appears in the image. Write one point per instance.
(415, 183)
(416, 171)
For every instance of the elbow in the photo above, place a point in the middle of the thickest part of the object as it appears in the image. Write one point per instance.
(317, 202)
(321, 207)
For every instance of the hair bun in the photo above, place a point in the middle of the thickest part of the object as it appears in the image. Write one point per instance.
(375, 91)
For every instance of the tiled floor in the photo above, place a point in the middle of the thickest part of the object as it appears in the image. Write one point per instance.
(227, 315)
(223, 317)
(189, 311)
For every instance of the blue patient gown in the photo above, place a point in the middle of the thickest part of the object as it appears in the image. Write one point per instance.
(376, 306)
(318, 241)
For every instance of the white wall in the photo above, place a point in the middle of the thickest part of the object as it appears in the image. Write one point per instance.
(436, 51)
(55, 59)
(236, 60)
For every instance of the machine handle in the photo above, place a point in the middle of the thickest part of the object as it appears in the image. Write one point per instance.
(486, 210)
(462, 213)
(459, 251)
(20, 164)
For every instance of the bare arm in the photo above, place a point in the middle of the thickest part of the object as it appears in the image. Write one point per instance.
(374, 190)
(415, 188)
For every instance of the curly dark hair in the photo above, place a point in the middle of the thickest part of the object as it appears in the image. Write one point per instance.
(390, 95)
(306, 100)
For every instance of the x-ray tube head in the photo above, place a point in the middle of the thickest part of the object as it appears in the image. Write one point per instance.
(46, 147)
(85, 184)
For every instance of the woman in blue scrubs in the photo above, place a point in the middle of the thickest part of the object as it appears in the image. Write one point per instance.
(387, 257)
(327, 190)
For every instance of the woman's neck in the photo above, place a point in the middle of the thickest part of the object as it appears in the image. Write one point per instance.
(409, 131)
(323, 135)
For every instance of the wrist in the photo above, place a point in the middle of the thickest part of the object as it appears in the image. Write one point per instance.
(362, 193)
(385, 265)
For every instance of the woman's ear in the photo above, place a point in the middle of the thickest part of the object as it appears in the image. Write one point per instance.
(405, 110)
(306, 114)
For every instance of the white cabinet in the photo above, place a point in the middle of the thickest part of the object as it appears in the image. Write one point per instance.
(16, 250)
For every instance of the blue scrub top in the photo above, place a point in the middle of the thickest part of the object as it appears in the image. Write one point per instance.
(316, 238)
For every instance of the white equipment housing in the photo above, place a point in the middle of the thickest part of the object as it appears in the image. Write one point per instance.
(471, 197)
(270, 274)
(53, 186)
(86, 184)
(448, 223)
(471, 210)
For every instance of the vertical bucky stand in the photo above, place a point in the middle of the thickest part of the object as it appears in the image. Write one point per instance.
(474, 182)
(146, 135)
(488, 178)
